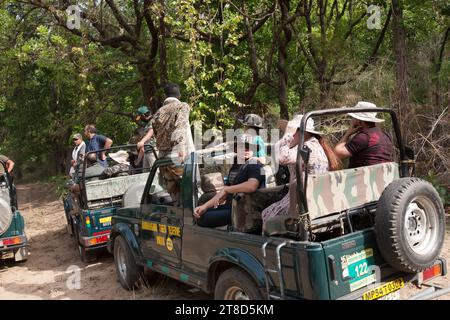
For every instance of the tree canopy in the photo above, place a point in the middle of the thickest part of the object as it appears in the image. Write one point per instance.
(272, 57)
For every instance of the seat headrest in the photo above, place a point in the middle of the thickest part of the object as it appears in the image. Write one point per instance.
(212, 182)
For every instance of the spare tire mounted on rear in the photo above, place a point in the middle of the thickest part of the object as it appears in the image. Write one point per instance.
(410, 224)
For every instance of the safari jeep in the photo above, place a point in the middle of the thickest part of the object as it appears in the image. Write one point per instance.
(89, 209)
(13, 241)
(353, 234)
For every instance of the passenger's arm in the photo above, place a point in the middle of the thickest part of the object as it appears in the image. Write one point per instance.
(286, 154)
(249, 186)
(147, 137)
(341, 150)
(9, 165)
(108, 144)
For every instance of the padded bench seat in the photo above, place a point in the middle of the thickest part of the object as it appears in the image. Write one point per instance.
(112, 187)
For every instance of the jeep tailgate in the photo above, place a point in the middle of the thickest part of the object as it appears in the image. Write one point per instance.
(353, 262)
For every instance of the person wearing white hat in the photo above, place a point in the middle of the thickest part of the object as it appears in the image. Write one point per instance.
(80, 148)
(321, 158)
(369, 145)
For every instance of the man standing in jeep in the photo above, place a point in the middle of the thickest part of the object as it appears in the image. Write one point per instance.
(170, 125)
(97, 142)
(370, 145)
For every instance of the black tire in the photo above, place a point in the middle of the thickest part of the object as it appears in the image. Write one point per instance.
(235, 284)
(129, 273)
(87, 256)
(413, 247)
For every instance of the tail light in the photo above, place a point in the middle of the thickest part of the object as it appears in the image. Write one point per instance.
(430, 273)
(11, 241)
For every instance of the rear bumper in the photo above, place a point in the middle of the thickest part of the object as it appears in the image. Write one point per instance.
(416, 279)
(95, 242)
(11, 243)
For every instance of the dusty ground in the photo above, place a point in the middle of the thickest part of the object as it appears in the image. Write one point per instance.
(53, 252)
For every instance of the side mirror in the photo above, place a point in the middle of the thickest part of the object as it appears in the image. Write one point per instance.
(152, 189)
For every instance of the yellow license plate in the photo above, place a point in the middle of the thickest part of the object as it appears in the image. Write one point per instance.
(384, 290)
(106, 219)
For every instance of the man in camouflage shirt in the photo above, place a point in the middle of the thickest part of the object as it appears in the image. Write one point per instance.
(170, 125)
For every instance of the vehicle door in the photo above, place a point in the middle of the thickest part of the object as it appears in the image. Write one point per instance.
(161, 221)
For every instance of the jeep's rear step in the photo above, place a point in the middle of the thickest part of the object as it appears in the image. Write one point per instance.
(278, 271)
(432, 292)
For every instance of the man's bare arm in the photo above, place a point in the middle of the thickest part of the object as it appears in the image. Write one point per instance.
(10, 165)
(144, 139)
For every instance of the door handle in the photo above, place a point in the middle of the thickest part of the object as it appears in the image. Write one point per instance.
(332, 266)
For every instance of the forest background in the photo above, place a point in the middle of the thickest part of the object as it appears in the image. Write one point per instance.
(64, 64)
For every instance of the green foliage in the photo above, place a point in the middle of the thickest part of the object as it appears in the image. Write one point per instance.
(54, 81)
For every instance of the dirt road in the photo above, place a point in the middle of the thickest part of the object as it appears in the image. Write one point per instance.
(53, 254)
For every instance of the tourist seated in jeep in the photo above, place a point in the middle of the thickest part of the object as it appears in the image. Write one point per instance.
(321, 159)
(369, 145)
(217, 211)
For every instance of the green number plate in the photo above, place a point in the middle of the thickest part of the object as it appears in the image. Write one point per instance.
(355, 268)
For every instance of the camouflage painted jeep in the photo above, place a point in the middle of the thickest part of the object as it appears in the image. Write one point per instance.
(92, 201)
(13, 241)
(352, 234)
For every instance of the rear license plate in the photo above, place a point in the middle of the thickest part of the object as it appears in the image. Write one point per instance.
(106, 221)
(357, 269)
(384, 290)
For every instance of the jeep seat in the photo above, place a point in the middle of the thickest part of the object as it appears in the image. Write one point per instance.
(247, 208)
(270, 177)
(211, 183)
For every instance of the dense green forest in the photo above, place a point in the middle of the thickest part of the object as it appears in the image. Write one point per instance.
(273, 57)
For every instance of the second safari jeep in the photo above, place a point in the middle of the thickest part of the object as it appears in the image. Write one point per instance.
(89, 211)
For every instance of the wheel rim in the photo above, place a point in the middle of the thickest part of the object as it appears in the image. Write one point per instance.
(121, 265)
(236, 293)
(421, 225)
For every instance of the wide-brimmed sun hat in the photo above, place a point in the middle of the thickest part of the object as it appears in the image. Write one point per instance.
(365, 116)
(294, 124)
(120, 156)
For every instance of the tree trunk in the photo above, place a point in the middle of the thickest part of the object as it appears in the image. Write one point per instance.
(438, 94)
(401, 91)
(324, 82)
(284, 39)
(163, 74)
(149, 86)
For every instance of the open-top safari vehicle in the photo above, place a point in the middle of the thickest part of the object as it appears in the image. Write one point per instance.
(358, 233)
(13, 241)
(92, 201)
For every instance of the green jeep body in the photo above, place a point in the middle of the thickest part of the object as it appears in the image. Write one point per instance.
(166, 239)
(13, 241)
(90, 220)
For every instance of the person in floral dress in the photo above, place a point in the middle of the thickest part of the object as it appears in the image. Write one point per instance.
(321, 159)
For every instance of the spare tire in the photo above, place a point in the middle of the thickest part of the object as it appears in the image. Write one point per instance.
(410, 224)
(5, 212)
